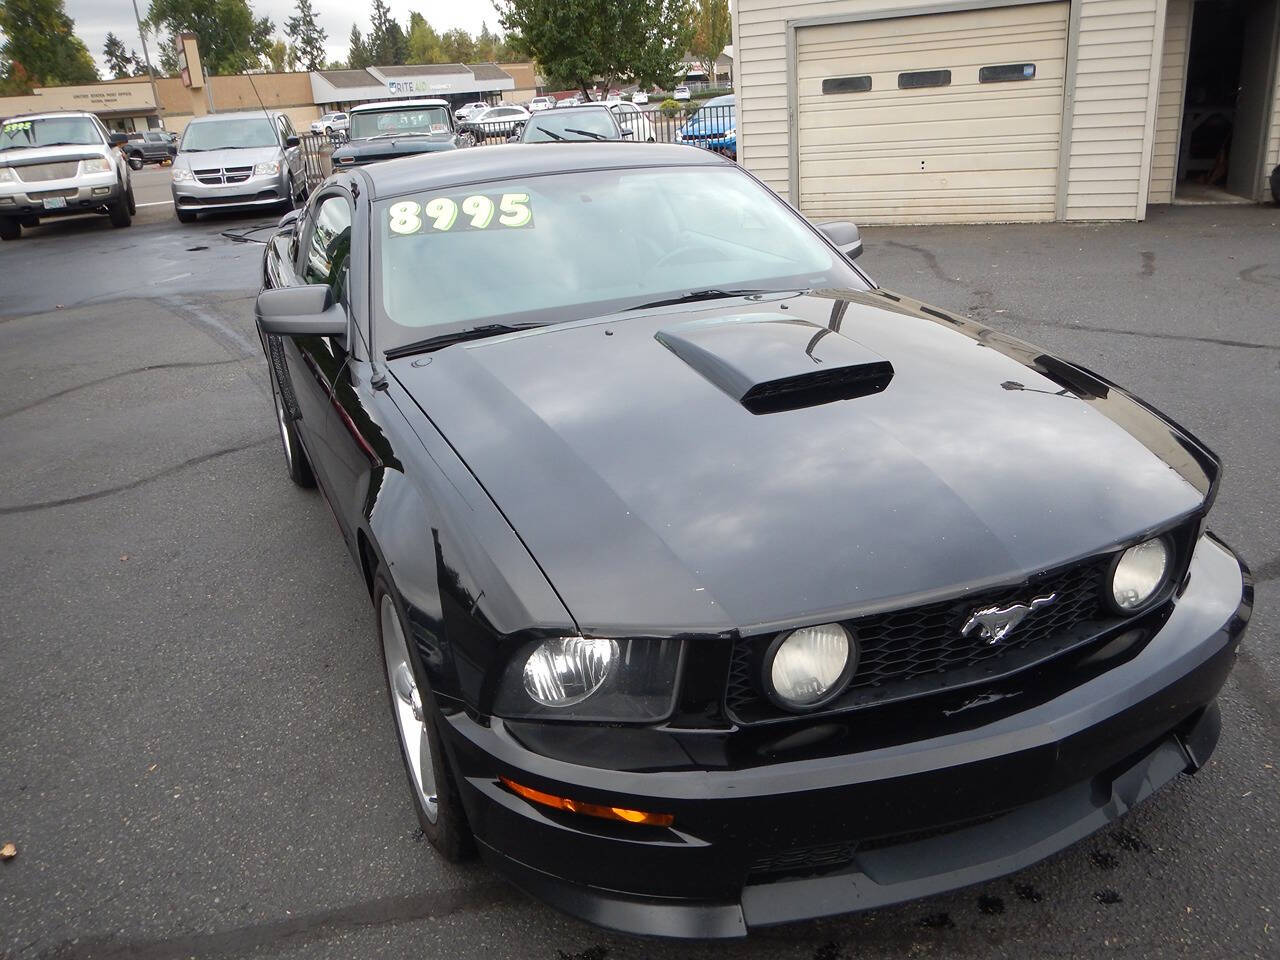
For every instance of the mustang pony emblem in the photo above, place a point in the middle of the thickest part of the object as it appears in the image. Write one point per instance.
(996, 623)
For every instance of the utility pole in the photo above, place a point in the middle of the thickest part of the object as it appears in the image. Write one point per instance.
(146, 58)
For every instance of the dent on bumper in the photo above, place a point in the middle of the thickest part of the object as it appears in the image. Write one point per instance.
(944, 813)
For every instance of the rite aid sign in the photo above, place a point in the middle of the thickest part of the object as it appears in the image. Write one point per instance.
(399, 87)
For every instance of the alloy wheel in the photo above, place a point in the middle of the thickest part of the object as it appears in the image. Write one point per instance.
(411, 718)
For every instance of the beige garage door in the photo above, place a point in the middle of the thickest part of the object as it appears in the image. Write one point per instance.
(940, 118)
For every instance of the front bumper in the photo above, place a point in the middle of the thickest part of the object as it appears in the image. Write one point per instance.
(773, 842)
(254, 192)
(81, 194)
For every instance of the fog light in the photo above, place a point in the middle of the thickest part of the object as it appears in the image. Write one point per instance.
(101, 191)
(806, 668)
(1140, 573)
(588, 809)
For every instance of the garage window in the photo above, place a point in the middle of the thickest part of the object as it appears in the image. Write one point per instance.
(846, 84)
(924, 78)
(1006, 72)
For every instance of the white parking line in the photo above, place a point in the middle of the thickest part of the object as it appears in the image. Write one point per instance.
(155, 203)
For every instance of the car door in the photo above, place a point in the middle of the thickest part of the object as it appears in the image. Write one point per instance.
(323, 254)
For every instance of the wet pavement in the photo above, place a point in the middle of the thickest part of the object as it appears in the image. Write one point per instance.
(195, 753)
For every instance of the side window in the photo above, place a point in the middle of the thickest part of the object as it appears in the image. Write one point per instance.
(328, 246)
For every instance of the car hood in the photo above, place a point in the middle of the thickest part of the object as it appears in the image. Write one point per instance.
(31, 155)
(387, 148)
(241, 157)
(625, 454)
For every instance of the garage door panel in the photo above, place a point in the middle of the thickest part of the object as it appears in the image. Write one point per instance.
(962, 151)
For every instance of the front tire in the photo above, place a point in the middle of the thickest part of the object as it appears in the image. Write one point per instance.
(10, 229)
(184, 216)
(119, 212)
(135, 163)
(133, 204)
(296, 463)
(415, 715)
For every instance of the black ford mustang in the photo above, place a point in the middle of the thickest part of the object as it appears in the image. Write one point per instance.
(718, 587)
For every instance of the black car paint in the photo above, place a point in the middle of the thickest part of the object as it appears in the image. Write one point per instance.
(1025, 459)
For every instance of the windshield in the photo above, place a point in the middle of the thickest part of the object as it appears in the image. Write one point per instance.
(576, 245)
(51, 131)
(571, 125)
(416, 120)
(237, 133)
(715, 113)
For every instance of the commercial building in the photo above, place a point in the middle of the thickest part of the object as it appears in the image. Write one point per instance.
(935, 111)
(130, 105)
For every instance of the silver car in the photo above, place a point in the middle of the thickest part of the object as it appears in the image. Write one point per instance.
(234, 161)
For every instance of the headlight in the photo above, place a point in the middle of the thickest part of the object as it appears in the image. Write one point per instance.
(567, 670)
(7, 175)
(96, 165)
(1140, 573)
(590, 678)
(808, 667)
(265, 169)
(181, 175)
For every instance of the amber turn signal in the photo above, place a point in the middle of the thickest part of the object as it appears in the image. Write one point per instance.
(588, 809)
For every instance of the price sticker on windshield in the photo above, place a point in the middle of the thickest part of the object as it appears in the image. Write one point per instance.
(508, 211)
(17, 125)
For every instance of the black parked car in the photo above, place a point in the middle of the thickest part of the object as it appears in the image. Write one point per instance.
(716, 586)
(397, 128)
(151, 146)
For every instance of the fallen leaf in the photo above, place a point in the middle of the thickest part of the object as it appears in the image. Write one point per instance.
(8, 851)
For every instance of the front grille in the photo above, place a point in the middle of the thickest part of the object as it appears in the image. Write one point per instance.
(804, 860)
(211, 177)
(921, 650)
(236, 174)
(39, 172)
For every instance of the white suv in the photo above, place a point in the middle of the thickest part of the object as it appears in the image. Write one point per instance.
(541, 103)
(55, 164)
(331, 123)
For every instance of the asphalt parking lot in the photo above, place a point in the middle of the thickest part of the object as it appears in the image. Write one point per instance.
(195, 754)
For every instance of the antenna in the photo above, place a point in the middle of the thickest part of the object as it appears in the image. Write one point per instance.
(258, 95)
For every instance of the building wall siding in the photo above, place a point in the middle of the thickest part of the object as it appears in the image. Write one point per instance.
(1173, 80)
(1113, 102)
(1273, 140)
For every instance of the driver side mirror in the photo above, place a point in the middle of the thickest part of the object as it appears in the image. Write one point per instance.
(845, 236)
(289, 219)
(306, 311)
(292, 140)
(628, 134)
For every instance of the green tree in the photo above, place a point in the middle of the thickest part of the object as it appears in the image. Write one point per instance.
(456, 46)
(281, 57)
(357, 51)
(711, 33)
(119, 63)
(307, 35)
(424, 42)
(387, 41)
(609, 40)
(40, 47)
(166, 54)
(231, 38)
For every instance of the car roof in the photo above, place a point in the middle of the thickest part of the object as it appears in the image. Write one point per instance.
(235, 115)
(396, 105)
(726, 100)
(48, 114)
(476, 165)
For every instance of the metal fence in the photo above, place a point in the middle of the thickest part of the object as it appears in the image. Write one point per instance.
(711, 128)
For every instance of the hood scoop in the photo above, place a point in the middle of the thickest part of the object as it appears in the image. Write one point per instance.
(770, 363)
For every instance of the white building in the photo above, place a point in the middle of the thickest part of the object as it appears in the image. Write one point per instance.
(918, 111)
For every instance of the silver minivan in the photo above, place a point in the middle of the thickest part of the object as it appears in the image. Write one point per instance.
(233, 161)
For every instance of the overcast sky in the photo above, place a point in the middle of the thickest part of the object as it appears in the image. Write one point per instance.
(95, 17)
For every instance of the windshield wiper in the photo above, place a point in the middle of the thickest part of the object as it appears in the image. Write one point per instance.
(443, 340)
(694, 296)
(550, 133)
(586, 133)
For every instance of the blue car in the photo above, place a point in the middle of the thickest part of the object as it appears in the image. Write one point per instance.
(714, 127)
